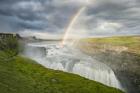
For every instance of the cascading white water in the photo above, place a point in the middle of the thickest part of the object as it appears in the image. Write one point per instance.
(71, 60)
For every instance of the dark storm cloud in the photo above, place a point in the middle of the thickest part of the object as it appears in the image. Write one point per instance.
(15, 19)
(35, 14)
(125, 12)
(100, 17)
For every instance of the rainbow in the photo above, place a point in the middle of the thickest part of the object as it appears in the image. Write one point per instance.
(72, 22)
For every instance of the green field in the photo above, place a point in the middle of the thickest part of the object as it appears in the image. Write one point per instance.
(132, 43)
(22, 75)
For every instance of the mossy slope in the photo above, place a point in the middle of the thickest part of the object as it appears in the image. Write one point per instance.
(21, 75)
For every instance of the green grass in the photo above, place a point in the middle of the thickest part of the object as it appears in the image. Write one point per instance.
(22, 75)
(131, 42)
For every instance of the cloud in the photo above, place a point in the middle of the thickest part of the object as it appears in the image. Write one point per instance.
(31, 5)
(101, 17)
(109, 28)
(40, 35)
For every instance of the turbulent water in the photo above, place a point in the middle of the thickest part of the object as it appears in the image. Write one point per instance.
(71, 60)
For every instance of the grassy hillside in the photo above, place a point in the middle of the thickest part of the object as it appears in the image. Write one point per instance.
(131, 43)
(121, 53)
(21, 75)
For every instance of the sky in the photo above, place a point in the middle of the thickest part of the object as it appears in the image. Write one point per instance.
(50, 18)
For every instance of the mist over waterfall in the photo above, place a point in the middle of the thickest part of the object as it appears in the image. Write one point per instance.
(70, 59)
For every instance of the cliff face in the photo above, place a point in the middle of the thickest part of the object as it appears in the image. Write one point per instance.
(122, 54)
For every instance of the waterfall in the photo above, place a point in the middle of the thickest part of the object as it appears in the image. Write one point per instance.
(71, 60)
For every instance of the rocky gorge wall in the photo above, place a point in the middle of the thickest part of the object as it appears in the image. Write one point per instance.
(125, 64)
